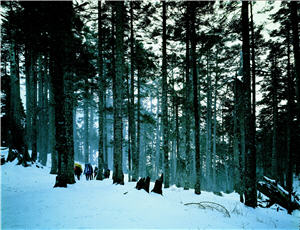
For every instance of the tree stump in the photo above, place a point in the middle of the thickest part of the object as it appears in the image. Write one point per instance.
(60, 182)
(140, 183)
(158, 185)
(143, 183)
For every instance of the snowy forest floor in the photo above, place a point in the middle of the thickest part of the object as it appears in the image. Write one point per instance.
(29, 201)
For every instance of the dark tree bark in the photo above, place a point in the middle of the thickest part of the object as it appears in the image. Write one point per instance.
(129, 155)
(100, 94)
(195, 102)
(31, 106)
(105, 158)
(239, 150)
(157, 139)
(208, 125)
(29, 98)
(16, 142)
(275, 162)
(42, 113)
(62, 90)
(158, 185)
(52, 139)
(143, 183)
(165, 100)
(250, 172)
(34, 111)
(180, 170)
(187, 107)
(295, 24)
(69, 105)
(118, 176)
(290, 104)
(86, 122)
(138, 137)
(253, 115)
(135, 162)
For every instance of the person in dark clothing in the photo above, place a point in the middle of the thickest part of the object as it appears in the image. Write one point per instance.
(77, 170)
(92, 173)
(88, 171)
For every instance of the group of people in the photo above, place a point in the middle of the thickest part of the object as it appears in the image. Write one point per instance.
(89, 172)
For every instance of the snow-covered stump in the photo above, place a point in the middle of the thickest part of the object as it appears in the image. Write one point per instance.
(277, 194)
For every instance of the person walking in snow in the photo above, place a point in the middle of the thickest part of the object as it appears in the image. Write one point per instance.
(88, 171)
(77, 170)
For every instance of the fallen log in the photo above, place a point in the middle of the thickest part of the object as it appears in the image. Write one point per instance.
(277, 194)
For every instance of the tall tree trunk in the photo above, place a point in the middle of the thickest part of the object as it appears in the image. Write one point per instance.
(118, 176)
(100, 95)
(275, 162)
(34, 108)
(42, 111)
(253, 119)
(86, 124)
(237, 140)
(113, 66)
(152, 141)
(46, 105)
(62, 90)
(105, 131)
(295, 24)
(29, 85)
(135, 172)
(52, 139)
(91, 123)
(157, 141)
(243, 147)
(16, 130)
(128, 128)
(253, 114)
(69, 108)
(39, 106)
(208, 134)
(179, 161)
(188, 156)
(289, 177)
(196, 110)
(250, 176)
(214, 155)
(138, 141)
(165, 100)
(76, 139)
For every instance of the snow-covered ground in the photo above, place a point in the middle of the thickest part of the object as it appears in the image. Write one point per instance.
(28, 200)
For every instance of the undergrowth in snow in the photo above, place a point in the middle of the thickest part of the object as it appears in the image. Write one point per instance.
(28, 200)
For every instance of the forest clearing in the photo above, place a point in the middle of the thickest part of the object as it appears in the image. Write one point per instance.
(29, 201)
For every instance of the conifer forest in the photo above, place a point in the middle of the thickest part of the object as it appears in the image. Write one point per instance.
(198, 95)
